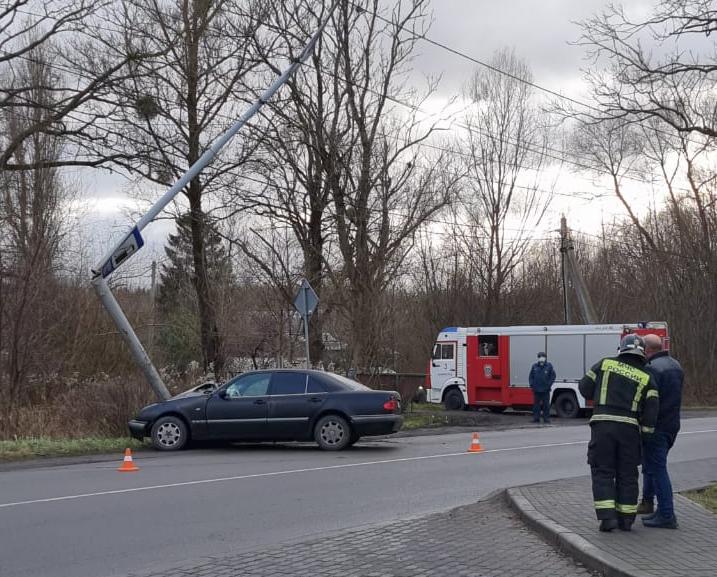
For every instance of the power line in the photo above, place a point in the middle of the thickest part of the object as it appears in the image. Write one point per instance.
(527, 146)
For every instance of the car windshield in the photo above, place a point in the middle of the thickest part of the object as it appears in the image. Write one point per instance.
(347, 383)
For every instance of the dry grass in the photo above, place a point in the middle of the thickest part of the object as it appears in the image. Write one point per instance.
(707, 497)
(28, 448)
(97, 408)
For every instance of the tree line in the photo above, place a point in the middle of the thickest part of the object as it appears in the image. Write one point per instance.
(404, 220)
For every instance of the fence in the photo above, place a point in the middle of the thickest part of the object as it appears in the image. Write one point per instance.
(406, 384)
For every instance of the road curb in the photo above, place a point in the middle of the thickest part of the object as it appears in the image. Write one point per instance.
(568, 541)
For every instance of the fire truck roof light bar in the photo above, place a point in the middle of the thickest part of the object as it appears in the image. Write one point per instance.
(133, 241)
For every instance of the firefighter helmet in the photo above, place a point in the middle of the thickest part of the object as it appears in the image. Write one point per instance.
(632, 345)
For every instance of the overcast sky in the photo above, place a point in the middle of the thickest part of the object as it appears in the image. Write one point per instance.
(539, 32)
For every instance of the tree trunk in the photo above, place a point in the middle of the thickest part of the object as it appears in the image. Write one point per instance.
(313, 259)
(212, 356)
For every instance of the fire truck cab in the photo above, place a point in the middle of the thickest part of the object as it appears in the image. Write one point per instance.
(489, 366)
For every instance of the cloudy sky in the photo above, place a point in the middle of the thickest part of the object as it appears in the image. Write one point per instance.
(539, 32)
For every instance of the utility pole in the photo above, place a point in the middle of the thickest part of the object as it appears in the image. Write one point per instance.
(570, 265)
(564, 243)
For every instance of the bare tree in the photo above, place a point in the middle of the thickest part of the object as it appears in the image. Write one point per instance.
(63, 30)
(507, 143)
(612, 149)
(30, 234)
(302, 129)
(383, 184)
(677, 87)
(175, 104)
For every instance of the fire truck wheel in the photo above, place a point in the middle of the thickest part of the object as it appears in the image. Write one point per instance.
(566, 405)
(454, 400)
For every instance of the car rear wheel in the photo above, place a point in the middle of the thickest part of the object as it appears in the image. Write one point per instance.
(454, 400)
(332, 433)
(169, 434)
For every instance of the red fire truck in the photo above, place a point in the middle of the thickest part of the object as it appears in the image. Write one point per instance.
(489, 366)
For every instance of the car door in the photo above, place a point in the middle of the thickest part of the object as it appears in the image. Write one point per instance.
(239, 410)
(291, 405)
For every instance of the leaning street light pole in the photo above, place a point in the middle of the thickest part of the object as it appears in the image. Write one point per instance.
(570, 264)
(133, 241)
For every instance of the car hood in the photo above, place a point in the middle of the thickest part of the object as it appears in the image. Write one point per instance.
(187, 394)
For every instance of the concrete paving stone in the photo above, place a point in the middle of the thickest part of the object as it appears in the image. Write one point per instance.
(687, 552)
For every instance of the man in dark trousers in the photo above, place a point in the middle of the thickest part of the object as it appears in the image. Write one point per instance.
(542, 377)
(669, 377)
(625, 403)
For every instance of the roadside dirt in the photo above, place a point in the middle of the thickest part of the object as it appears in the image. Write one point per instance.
(447, 422)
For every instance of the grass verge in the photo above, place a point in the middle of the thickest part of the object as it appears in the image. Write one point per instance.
(424, 415)
(29, 448)
(707, 497)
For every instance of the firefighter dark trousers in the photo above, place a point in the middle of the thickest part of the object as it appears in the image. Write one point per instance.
(614, 453)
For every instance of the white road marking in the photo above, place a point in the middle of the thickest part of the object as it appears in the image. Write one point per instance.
(287, 472)
(696, 432)
(308, 470)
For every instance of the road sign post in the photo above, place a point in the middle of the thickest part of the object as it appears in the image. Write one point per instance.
(306, 302)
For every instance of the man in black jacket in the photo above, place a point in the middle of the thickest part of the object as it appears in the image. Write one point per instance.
(625, 404)
(669, 377)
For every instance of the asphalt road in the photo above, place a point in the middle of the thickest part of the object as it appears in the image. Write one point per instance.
(87, 520)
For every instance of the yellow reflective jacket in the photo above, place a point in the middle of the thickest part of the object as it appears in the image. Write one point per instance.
(622, 390)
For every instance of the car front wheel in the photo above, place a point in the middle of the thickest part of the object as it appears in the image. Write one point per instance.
(332, 433)
(169, 434)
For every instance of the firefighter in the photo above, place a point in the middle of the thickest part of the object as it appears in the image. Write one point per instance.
(541, 378)
(625, 404)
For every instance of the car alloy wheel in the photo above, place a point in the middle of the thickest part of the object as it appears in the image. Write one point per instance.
(169, 434)
(332, 433)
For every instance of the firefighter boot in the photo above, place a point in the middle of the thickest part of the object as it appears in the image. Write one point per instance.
(646, 507)
(625, 523)
(607, 525)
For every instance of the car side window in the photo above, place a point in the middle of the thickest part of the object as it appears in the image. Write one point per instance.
(287, 383)
(447, 353)
(315, 386)
(255, 385)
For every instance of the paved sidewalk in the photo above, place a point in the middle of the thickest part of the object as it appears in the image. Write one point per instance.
(562, 512)
(482, 540)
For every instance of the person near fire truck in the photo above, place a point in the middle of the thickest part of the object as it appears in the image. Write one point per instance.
(625, 408)
(669, 378)
(541, 378)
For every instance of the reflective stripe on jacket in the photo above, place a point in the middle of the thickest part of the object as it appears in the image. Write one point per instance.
(622, 390)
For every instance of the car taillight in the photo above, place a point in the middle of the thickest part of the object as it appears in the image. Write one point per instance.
(391, 405)
(427, 384)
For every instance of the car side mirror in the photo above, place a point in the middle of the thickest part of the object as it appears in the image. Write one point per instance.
(222, 394)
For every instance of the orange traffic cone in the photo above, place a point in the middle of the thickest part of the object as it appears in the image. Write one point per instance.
(128, 465)
(475, 444)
